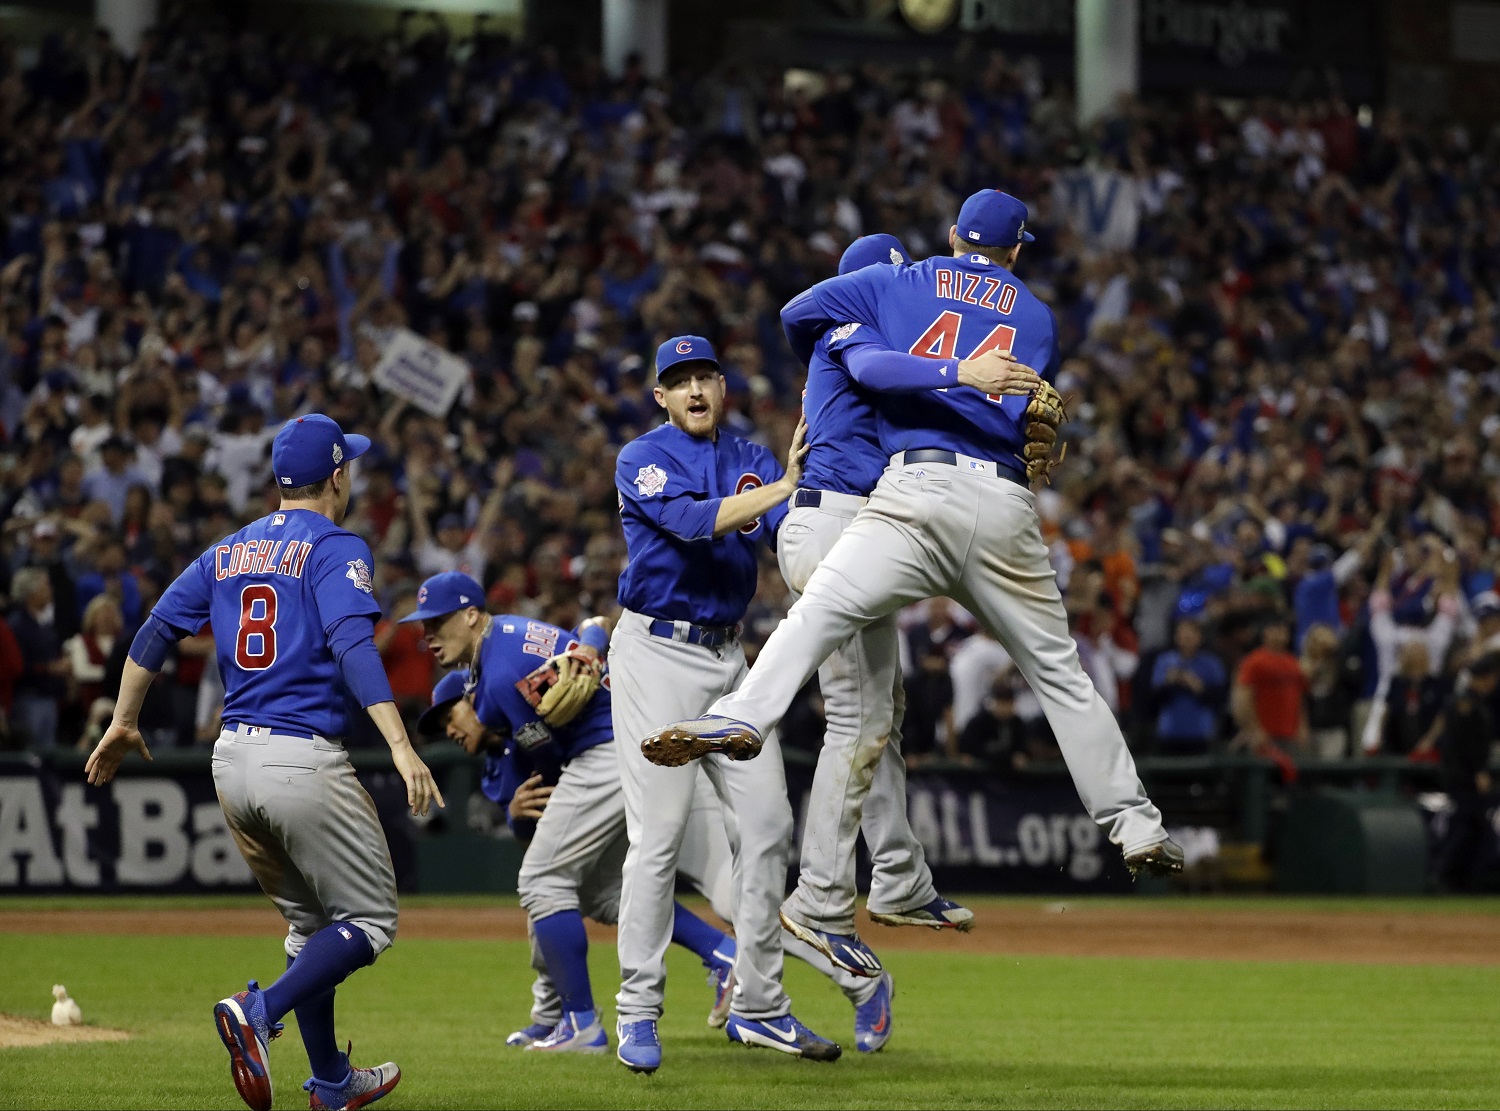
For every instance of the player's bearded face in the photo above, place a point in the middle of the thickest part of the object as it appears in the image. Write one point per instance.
(693, 396)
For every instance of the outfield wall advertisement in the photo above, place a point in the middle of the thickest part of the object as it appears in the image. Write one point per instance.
(159, 828)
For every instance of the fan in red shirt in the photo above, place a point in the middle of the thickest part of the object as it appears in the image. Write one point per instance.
(408, 663)
(1268, 698)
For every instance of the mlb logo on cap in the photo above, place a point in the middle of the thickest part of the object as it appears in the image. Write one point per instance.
(684, 349)
(993, 219)
(310, 448)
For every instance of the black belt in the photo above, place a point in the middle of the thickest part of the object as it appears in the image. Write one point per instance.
(934, 455)
(807, 499)
(706, 636)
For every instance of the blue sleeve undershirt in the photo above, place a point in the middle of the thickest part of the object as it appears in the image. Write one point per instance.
(352, 642)
(880, 368)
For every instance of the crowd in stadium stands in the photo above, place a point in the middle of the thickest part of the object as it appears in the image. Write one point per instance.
(1276, 527)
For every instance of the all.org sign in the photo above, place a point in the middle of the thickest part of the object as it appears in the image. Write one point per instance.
(1231, 31)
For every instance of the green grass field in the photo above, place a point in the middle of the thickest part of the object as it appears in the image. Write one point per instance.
(971, 1032)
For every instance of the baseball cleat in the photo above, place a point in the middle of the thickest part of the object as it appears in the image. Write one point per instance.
(844, 950)
(640, 1048)
(578, 1032)
(533, 1033)
(872, 1018)
(940, 914)
(359, 1089)
(242, 1025)
(1160, 859)
(721, 979)
(785, 1034)
(673, 745)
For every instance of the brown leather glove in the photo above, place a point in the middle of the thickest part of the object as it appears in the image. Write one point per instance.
(1044, 414)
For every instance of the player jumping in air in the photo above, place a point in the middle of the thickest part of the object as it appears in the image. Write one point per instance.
(952, 516)
(291, 601)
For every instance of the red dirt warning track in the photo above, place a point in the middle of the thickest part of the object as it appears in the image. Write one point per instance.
(1054, 929)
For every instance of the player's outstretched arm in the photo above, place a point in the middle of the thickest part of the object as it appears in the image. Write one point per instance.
(186, 604)
(421, 789)
(738, 510)
(123, 735)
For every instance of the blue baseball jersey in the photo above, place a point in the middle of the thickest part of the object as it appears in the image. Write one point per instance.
(272, 592)
(670, 485)
(940, 308)
(512, 648)
(844, 451)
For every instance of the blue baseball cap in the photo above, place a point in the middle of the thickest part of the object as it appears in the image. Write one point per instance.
(684, 349)
(309, 448)
(869, 250)
(991, 218)
(449, 689)
(444, 594)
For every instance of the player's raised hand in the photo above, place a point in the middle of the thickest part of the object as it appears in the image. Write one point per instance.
(421, 789)
(117, 743)
(797, 454)
(994, 373)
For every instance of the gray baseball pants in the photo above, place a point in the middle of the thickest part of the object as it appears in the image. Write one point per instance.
(655, 681)
(860, 782)
(576, 862)
(934, 530)
(308, 831)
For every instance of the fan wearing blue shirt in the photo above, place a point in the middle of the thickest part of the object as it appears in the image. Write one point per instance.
(953, 515)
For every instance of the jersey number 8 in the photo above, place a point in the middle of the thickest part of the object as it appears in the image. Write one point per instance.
(940, 341)
(255, 647)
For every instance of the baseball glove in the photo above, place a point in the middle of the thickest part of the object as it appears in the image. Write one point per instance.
(1045, 412)
(559, 689)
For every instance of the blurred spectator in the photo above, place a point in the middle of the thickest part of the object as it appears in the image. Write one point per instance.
(1413, 703)
(929, 688)
(1421, 606)
(1267, 701)
(994, 738)
(1465, 732)
(113, 478)
(408, 663)
(12, 667)
(88, 653)
(44, 677)
(1486, 610)
(1331, 692)
(1189, 684)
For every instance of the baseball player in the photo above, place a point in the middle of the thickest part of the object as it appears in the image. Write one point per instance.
(861, 682)
(953, 515)
(291, 603)
(538, 712)
(706, 862)
(696, 501)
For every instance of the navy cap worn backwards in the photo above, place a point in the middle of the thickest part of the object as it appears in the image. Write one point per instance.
(444, 594)
(449, 689)
(684, 349)
(309, 448)
(869, 250)
(991, 218)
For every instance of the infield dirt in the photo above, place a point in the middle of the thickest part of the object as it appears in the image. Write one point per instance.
(1040, 929)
